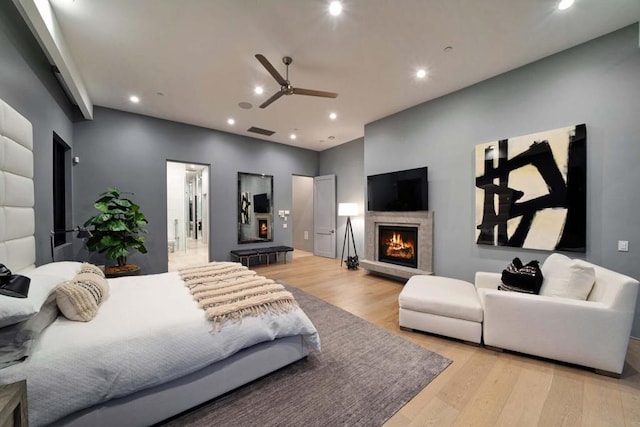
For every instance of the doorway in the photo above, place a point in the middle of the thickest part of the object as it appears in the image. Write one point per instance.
(187, 214)
(313, 219)
(302, 218)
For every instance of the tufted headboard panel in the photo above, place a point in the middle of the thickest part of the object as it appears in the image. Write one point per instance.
(17, 215)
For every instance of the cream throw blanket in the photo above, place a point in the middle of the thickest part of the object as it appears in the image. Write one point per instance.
(230, 291)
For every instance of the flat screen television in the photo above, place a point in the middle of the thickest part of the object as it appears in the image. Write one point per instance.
(261, 203)
(400, 191)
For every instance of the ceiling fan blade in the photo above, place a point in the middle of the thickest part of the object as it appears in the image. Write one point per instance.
(310, 92)
(273, 98)
(266, 64)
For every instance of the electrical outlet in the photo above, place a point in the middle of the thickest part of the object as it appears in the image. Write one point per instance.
(623, 246)
(284, 225)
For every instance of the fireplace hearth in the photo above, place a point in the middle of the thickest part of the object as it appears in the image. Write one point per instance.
(398, 245)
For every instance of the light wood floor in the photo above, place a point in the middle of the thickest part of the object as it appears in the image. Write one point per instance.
(481, 387)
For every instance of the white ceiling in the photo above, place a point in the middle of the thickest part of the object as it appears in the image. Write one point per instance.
(199, 54)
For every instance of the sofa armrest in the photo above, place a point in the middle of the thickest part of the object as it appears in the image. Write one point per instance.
(487, 280)
(584, 332)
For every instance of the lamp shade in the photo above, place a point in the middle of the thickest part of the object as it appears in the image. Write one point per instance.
(83, 233)
(347, 209)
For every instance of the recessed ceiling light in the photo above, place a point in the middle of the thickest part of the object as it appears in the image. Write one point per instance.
(421, 73)
(333, 116)
(293, 136)
(448, 49)
(258, 90)
(565, 4)
(331, 137)
(245, 105)
(134, 99)
(335, 8)
(231, 121)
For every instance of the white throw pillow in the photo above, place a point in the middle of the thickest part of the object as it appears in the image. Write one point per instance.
(573, 280)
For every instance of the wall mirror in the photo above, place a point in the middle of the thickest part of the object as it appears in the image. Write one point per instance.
(255, 208)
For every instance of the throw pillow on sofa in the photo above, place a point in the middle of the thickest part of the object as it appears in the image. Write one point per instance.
(522, 278)
(569, 279)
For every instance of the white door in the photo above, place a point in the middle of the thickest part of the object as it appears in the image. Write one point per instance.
(324, 216)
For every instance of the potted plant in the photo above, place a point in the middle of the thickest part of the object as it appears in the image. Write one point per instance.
(117, 229)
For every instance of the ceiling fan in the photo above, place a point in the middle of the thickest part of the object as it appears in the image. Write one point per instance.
(285, 86)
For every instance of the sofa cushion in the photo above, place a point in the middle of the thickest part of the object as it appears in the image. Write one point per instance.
(567, 278)
(441, 296)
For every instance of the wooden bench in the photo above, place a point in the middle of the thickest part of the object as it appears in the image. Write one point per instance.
(244, 255)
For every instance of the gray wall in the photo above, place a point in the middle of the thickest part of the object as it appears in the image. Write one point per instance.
(597, 83)
(29, 86)
(130, 151)
(302, 212)
(346, 162)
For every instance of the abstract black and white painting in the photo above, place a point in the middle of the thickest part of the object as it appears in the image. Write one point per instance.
(531, 191)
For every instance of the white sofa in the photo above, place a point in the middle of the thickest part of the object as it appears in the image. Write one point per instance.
(593, 332)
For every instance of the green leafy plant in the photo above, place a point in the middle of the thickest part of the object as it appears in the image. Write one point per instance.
(117, 228)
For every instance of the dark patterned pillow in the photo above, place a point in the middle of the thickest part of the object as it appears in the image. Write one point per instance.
(522, 278)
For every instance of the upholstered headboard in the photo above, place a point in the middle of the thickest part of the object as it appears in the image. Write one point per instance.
(17, 216)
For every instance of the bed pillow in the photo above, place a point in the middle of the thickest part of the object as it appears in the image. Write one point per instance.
(14, 310)
(78, 299)
(64, 269)
(16, 340)
(574, 280)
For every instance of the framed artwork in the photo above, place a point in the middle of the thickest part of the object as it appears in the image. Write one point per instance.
(531, 191)
(245, 202)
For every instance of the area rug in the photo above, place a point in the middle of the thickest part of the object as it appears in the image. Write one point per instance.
(362, 377)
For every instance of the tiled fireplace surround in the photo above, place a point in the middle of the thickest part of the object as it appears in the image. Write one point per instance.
(423, 220)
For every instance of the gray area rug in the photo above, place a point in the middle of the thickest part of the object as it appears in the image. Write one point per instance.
(362, 377)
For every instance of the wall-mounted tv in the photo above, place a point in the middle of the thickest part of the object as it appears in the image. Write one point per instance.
(261, 203)
(399, 191)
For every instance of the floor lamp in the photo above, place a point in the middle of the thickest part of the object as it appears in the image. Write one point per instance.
(348, 209)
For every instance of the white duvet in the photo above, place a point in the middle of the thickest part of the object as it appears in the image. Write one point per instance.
(149, 331)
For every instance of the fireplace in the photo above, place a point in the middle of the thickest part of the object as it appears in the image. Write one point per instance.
(398, 245)
(263, 228)
(421, 221)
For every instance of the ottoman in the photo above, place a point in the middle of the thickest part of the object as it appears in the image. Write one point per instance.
(442, 306)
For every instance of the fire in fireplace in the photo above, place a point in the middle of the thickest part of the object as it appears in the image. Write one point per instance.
(398, 245)
(263, 229)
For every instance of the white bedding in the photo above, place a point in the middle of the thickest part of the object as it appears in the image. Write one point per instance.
(149, 331)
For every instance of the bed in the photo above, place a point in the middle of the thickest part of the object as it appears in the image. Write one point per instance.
(149, 353)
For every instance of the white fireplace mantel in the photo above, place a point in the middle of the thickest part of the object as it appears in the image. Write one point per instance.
(423, 220)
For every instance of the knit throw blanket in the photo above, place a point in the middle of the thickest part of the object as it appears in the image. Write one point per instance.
(229, 291)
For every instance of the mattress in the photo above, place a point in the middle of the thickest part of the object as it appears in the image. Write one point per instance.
(148, 332)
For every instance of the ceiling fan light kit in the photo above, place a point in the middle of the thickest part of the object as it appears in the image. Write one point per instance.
(285, 86)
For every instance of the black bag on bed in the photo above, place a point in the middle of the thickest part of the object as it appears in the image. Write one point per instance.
(522, 278)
